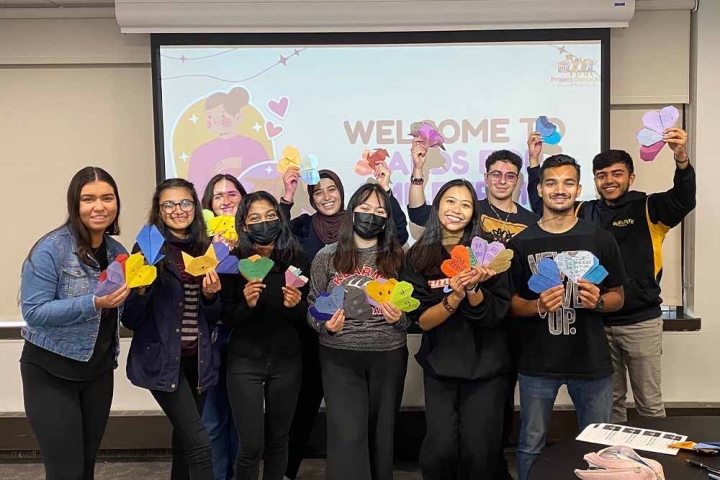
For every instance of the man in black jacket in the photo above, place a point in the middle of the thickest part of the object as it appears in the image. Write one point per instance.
(639, 222)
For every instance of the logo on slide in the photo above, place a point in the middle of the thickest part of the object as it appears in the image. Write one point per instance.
(575, 71)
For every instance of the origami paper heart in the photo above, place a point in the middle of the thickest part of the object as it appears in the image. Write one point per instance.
(330, 303)
(144, 277)
(355, 305)
(548, 130)
(255, 267)
(379, 291)
(377, 156)
(458, 262)
(228, 263)
(197, 266)
(224, 224)
(402, 299)
(652, 135)
(485, 252)
(427, 134)
(596, 274)
(502, 261)
(150, 240)
(548, 276)
(575, 264)
(294, 277)
(110, 280)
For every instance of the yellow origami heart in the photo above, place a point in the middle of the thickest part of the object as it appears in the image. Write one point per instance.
(290, 159)
(402, 299)
(502, 261)
(137, 274)
(380, 292)
(197, 266)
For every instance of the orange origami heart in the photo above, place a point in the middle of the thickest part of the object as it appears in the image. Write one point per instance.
(380, 292)
(458, 262)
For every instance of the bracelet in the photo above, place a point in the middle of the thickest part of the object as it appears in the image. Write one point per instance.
(417, 181)
(542, 315)
(681, 161)
(450, 309)
(474, 289)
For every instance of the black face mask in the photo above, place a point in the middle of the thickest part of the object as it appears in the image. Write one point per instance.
(264, 233)
(368, 225)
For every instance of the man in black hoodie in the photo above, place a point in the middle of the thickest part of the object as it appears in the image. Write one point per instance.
(639, 222)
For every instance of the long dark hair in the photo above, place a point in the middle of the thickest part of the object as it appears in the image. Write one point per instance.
(78, 229)
(207, 198)
(286, 249)
(389, 255)
(428, 252)
(196, 232)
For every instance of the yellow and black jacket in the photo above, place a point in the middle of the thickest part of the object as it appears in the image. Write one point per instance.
(639, 223)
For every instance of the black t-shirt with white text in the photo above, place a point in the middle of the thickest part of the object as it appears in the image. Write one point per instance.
(569, 343)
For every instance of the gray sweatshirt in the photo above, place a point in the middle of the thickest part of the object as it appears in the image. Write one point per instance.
(375, 334)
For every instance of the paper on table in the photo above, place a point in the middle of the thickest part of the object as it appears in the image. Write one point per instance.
(633, 437)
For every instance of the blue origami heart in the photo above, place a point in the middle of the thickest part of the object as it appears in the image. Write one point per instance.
(548, 130)
(329, 303)
(548, 276)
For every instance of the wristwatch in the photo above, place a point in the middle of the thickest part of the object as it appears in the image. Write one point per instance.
(600, 304)
(417, 181)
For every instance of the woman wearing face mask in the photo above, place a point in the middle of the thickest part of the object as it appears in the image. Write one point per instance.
(264, 351)
(71, 336)
(363, 360)
(464, 354)
(222, 196)
(315, 232)
(171, 353)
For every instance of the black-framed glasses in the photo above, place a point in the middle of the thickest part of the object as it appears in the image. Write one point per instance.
(185, 206)
(497, 175)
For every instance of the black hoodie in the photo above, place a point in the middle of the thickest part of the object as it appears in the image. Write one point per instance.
(639, 223)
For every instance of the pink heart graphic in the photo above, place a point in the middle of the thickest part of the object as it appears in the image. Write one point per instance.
(273, 130)
(279, 107)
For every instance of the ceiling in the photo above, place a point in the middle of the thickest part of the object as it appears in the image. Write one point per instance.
(55, 3)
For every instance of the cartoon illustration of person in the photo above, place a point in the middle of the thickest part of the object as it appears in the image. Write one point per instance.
(230, 152)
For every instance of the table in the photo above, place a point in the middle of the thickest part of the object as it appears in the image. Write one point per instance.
(559, 461)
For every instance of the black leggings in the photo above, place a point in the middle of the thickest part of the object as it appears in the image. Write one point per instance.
(306, 411)
(252, 382)
(68, 419)
(192, 456)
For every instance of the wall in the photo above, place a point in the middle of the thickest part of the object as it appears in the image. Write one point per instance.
(86, 90)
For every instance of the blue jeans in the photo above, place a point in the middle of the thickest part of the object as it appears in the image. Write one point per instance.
(592, 400)
(218, 418)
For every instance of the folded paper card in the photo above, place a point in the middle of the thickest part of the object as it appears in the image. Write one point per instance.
(220, 225)
(397, 293)
(547, 276)
(255, 267)
(427, 134)
(458, 262)
(355, 305)
(581, 264)
(326, 304)
(548, 131)
(307, 167)
(227, 263)
(150, 241)
(294, 277)
(651, 136)
(494, 255)
(197, 266)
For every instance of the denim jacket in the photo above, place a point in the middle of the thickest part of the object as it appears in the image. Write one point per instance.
(57, 297)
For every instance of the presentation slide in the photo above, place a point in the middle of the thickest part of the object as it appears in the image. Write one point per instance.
(233, 109)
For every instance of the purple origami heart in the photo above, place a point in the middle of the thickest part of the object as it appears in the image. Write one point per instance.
(485, 252)
(228, 263)
(114, 279)
(329, 303)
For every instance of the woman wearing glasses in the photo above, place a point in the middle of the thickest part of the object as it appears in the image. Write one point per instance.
(171, 352)
(222, 196)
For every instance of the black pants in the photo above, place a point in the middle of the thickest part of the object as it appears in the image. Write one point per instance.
(306, 411)
(192, 456)
(464, 428)
(502, 472)
(363, 391)
(250, 381)
(68, 419)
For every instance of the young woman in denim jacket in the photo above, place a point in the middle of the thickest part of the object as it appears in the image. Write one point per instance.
(71, 336)
(222, 196)
(171, 352)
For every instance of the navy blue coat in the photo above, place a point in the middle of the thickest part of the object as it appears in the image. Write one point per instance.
(156, 321)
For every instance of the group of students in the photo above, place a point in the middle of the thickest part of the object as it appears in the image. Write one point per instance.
(240, 367)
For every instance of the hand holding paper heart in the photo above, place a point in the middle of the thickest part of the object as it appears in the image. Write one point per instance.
(113, 299)
(552, 299)
(549, 131)
(652, 136)
(255, 267)
(291, 296)
(458, 262)
(589, 294)
(252, 291)
(328, 303)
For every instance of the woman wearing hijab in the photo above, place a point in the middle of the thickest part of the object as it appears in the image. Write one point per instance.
(314, 232)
